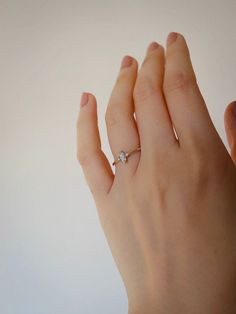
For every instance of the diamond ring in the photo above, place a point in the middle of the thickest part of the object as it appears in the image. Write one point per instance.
(123, 156)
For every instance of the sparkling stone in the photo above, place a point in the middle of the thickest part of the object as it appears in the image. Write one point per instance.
(122, 156)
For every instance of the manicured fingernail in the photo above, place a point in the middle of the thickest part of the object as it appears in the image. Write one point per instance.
(171, 38)
(126, 62)
(154, 45)
(234, 109)
(84, 99)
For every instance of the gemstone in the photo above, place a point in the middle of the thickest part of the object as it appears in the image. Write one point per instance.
(122, 156)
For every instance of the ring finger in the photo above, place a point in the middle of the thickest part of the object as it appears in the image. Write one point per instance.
(121, 125)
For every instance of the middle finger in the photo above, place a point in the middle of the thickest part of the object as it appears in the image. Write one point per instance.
(153, 120)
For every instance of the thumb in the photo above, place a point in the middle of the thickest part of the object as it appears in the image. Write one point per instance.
(230, 128)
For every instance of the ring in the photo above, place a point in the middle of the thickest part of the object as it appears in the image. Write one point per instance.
(123, 156)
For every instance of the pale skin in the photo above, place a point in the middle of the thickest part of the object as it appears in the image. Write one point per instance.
(169, 213)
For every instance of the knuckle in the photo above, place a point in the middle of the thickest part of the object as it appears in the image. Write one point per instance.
(156, 194)
(115, 113)
(144, 88)
(147, 59)
(178, 80)
(82, 157)
(111, 116)
(85, 156)
(122, 78)
(199, 167)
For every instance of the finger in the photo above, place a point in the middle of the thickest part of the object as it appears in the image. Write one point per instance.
(95, 165)
(230, 128)
(186, 105)
(154, 123)
(121, 125)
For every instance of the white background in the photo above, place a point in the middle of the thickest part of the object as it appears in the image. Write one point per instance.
(54, 257)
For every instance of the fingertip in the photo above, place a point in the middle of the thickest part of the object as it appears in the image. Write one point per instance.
(230, 111)
(128, 62)
(174, 37)
(88, 111)
(84, 99)
(227, 112)
(233, 110)
(135, 62)
(171, 38)
(87, 98)
(89, 105)
(176, 43)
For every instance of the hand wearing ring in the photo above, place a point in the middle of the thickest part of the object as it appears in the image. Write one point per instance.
(169, 213)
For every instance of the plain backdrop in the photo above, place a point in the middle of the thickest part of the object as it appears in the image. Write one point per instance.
(54, 258)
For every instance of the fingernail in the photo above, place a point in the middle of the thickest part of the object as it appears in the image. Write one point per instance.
(171, 38)
(84, 99)
(126, 62)
(234, 109)
(154, 45)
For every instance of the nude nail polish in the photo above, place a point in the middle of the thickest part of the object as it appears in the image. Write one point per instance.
(84, 99)
(171, 39)
(126, 62)
(154, 45)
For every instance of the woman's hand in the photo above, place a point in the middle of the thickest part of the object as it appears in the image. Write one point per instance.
(169, 213)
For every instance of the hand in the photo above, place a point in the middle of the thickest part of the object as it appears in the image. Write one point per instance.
(169, 214)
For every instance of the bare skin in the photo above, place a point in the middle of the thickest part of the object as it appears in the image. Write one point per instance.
(169, 214)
